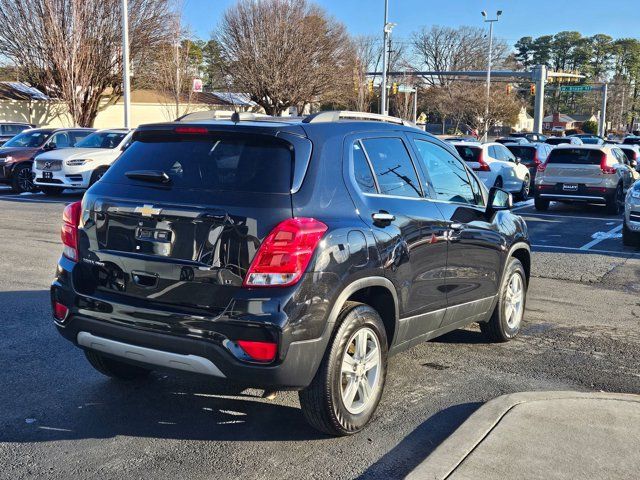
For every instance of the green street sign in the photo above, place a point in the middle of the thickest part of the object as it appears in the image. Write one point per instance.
(575, 88)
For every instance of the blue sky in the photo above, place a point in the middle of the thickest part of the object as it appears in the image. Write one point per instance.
(618, 18)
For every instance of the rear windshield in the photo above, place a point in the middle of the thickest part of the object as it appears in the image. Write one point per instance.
(632, 141)
(468, 154)
(558, 141)
(577, 156)
(525, 153)
(213, 162)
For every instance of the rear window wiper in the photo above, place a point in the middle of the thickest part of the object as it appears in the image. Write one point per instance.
(157, 176)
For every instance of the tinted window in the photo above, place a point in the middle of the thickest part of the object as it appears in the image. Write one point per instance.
(447, 176)
(362, 171)
(393, 168)
(558, 141)
(630, 153)
(13, 129)
(216, 162)
(576, 156)
(631, 141)
(29, 139)
(526, 154)
(469, 154)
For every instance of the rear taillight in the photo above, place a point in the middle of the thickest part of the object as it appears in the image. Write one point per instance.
(484, 166)
(259, 351)
(69, 232)
(285, 253)
(542, 166)
(608, 169)
(536, 159)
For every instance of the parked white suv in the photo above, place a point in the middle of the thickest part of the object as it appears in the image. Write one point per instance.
(496, 166)
(82, 166)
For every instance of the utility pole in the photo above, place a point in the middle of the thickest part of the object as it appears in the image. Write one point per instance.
(603, 111)
(486, 111)
(540, 79)
(415, 104)
(177, 78)
(126, 86)
(385, 60)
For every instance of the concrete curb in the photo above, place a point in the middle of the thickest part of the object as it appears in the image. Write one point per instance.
(455, 449)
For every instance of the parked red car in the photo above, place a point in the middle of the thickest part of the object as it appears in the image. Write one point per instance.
(16, 156)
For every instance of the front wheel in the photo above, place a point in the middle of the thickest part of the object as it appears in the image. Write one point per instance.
(22, 179)
(348, 386)
(97, 175)
(615, 202)
(506, 319)
(541, 204)
(524, 191)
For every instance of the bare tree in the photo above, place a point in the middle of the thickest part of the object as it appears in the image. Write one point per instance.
(450, 49)
(72, 48)
(285, 52)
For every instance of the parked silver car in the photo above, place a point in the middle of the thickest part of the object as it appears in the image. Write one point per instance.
(584, 173)
(631, 225)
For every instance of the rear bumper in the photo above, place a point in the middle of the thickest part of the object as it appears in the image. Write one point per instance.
(126, 333)
(584, 193)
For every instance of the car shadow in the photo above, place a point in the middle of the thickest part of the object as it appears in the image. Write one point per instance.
(471, 337)
(420, 443)
(50, 393)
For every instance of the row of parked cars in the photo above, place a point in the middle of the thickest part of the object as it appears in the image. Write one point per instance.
(53, 159)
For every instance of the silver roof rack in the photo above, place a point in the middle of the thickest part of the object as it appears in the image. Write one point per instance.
(222, 115)
(337, 115)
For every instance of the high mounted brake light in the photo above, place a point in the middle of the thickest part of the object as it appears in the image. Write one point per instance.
(192, 130)
(285, 254)
(69, 231)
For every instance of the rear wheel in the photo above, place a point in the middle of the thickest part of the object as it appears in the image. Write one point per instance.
(506, 319)
(615, 202)
(51, 190)
(629, 237)
(348, 386)
(114, 368)
(541, 204)
(22, 179)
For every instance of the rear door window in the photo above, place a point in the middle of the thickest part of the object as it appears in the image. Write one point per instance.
(575, 156)
(362, 170)
(222, 162)
(393, 167)
(469, 154)
(526, 154)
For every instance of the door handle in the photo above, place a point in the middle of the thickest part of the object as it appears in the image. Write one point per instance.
(383, 218)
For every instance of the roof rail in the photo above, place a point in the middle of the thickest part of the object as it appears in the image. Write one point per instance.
(221, 115)
(337, 115)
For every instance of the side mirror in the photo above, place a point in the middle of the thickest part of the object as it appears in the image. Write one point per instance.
(499, 199)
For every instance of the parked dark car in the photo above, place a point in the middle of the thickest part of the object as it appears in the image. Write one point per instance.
(631, 140)
(532, 156)
(532, 137)
(287, 255)
(8, 130)
(16, 156)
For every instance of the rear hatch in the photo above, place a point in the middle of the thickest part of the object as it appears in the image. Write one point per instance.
(574, 166)
(470, 154)
(179, 217)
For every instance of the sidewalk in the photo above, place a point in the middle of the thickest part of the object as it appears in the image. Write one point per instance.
(543, 435)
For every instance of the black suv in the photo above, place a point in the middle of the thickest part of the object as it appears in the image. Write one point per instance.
(283, 255)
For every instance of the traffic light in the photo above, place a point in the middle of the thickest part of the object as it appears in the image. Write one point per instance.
(394, 88)
(509, 88)
(532, 88)
(370, 86)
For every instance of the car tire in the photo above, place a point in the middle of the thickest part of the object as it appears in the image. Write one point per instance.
(541, 204)
(329, 403)
(524, 191)
(506, 319)
(615, 201)
(114, 368)
(51, 190)
(21, 179)
(498, 183)
(97, 175)
(629, 238)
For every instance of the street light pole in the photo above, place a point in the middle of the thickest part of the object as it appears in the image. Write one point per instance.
(385, 61)
(486, 110)
(126, 86)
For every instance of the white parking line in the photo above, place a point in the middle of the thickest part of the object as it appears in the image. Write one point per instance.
(591, 250)
(601, 237)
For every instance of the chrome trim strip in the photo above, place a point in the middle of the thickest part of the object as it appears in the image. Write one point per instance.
(176, 361)
(576, 197)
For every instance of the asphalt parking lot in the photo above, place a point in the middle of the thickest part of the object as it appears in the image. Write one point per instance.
(61, 419)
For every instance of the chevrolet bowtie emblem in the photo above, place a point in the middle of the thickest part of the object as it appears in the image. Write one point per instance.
(148, 210)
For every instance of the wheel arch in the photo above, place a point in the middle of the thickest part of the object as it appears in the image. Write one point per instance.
(378, 293)
(521, 251)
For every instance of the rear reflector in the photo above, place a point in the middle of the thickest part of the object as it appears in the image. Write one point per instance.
(285, 254)
(60, 312)
(259, 351)
(69, 231)
(192, 130)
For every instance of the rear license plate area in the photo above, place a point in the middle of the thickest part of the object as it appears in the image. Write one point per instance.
(570, 187)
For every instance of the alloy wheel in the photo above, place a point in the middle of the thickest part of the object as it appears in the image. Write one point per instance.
(514, 301)
(25, 180)
(360, 371)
